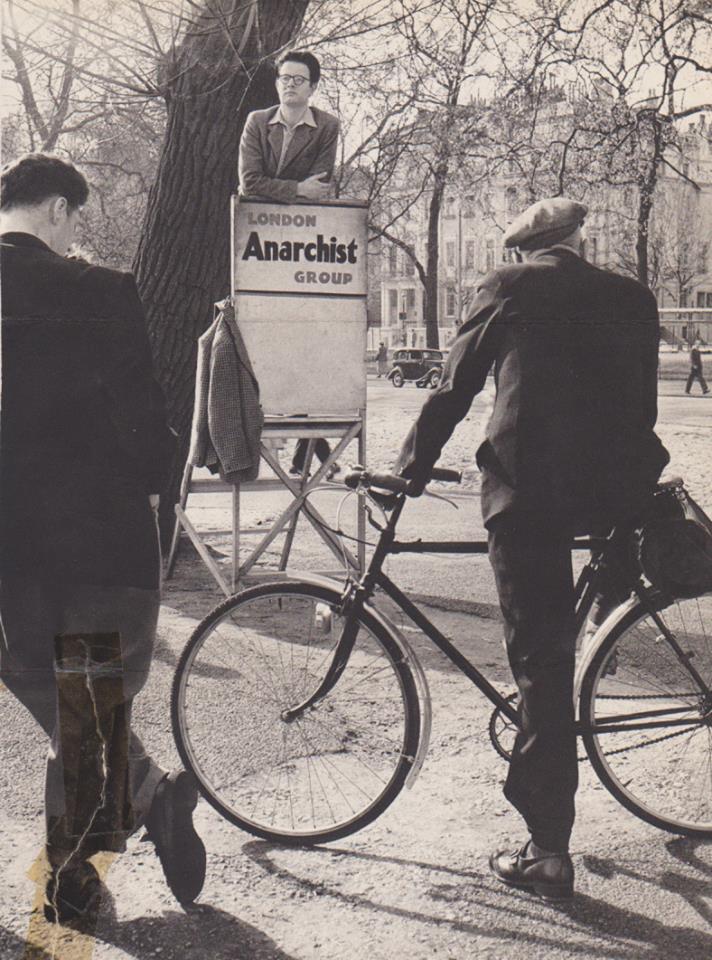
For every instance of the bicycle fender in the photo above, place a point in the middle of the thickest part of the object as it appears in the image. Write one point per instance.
(613, 618)
(421, 680)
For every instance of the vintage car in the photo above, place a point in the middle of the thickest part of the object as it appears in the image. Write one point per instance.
(423, 367)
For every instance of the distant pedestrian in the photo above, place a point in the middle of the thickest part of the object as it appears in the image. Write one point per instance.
(382, 359)
(696, 368)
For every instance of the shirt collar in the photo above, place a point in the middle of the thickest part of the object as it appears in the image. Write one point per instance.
(307, 118)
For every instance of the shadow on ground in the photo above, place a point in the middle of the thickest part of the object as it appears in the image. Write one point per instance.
(473, 903)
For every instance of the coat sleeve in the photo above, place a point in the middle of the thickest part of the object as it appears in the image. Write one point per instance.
(326, 158)
(135, 400)
(471, 357)
(251, 168)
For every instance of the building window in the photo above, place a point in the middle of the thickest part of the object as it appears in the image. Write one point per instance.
(704, 298)
(489, 254)
(409, 265)
(469, 254)
(393, 308)
(592, 249)
(468, 206)
(393, 261)
(449, 208)
(511, 203)
(409, 301)
(450, 253)
(449, 302)
(702, 255)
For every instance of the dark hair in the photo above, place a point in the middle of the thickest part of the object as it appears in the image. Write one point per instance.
(37, 176)
(308, 59)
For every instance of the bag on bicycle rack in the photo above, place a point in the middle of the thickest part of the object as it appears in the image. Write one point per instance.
(674, 544)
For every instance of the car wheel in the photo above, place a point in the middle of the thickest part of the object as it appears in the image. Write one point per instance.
(434, 379)
(397, 379)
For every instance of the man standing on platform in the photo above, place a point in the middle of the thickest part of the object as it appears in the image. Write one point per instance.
(570, 448)
(85, 447)
(288, 151)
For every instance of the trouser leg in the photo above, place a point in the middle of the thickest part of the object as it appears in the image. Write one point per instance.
(690, 381)
(300, 453)
(83, 701)
(321, 449)
(534, 579)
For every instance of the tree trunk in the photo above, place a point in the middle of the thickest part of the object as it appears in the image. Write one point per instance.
(430, 302)
(648, 182)
(213, 78)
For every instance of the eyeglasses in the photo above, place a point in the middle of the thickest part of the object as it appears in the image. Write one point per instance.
(285, 78)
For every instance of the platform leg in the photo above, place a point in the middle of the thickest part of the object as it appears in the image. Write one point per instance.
(175, 539)
(235, 536)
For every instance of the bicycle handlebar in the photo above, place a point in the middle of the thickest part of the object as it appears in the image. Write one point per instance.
(359, 477)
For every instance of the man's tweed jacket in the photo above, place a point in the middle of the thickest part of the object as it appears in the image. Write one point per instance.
(227, 417)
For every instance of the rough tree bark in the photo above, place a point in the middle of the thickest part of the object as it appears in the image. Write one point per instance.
(212, 79)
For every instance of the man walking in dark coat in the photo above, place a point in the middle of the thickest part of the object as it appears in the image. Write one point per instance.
(696, 368)
(84, 450)
(569, 448)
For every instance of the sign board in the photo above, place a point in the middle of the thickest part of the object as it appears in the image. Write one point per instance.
(299, 287)
(306, 249)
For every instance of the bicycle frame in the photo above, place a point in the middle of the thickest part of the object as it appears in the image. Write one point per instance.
(358, 592)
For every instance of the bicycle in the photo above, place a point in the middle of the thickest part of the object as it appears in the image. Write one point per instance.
(323, 709)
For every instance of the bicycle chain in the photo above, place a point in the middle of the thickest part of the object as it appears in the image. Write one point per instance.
(646, 696)
(638, 746)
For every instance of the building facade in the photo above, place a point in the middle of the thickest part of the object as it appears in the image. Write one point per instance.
(473, 221)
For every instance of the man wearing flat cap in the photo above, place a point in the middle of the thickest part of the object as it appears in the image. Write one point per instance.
(569, 449)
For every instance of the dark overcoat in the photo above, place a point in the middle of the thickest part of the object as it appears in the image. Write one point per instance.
(83, 439)
(574, 350)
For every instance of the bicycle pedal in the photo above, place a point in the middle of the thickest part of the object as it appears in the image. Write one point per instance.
(323, 618)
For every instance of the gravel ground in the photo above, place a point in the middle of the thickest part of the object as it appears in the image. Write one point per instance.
(415, 883)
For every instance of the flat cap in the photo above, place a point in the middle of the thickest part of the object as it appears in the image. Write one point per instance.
(544, 223)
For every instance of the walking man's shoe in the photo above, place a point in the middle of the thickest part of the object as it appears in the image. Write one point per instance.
(549, 875)
(73, 894)
(170, 826)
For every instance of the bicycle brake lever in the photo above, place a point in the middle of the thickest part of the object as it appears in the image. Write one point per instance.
(371, 519)
(439, 496)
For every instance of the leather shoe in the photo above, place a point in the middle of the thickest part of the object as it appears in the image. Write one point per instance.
(73, 894)
(169, 826)
(550, 876)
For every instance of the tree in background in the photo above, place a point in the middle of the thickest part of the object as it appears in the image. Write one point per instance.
(633, 68)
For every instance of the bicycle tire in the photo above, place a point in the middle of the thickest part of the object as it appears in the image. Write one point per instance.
(662, 775)
(323, 776)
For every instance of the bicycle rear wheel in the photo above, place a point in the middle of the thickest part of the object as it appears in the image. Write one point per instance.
(662, 774)
(329, 772)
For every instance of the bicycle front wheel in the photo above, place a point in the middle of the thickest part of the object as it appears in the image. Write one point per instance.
(336, 767)
(646, 716)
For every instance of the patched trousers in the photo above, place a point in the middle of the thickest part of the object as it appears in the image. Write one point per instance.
(532, 568)
(75, 656)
